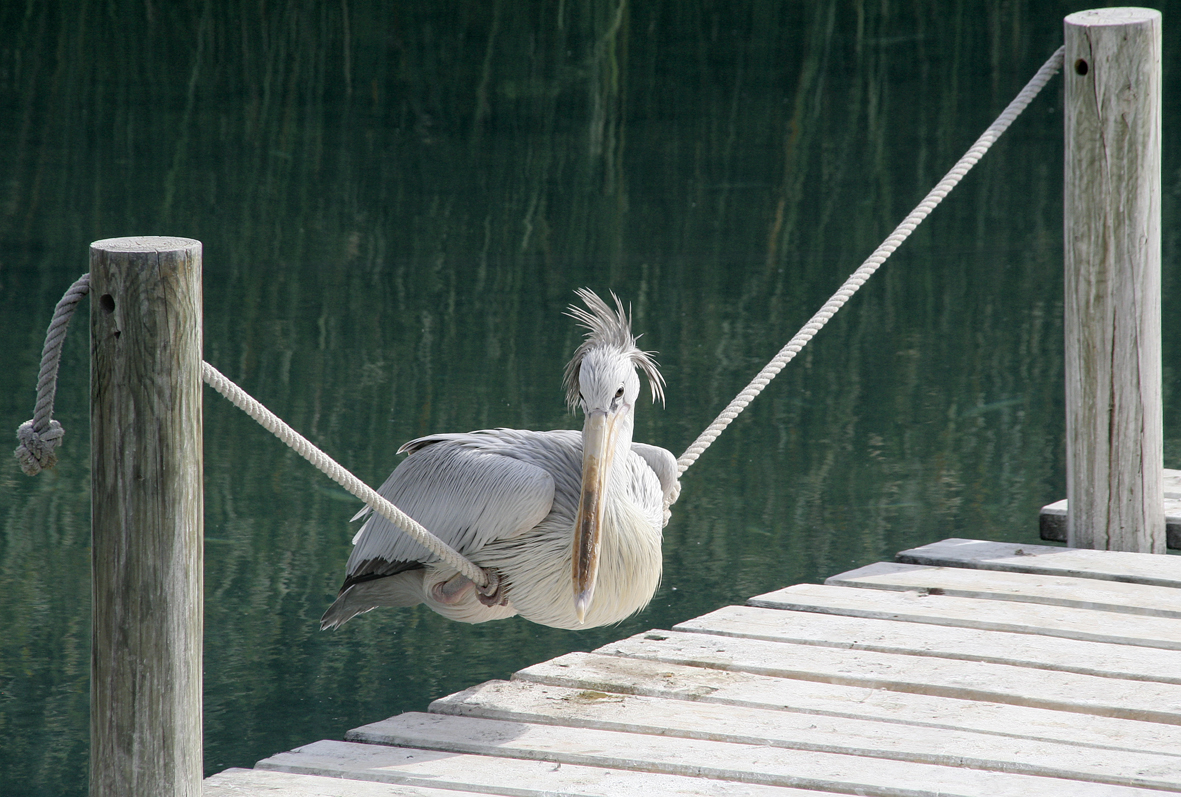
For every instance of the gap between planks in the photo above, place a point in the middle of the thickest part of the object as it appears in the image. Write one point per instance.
(818, 680)
(522, 702)
(1137, 568)
(656, 677)
(743, 763)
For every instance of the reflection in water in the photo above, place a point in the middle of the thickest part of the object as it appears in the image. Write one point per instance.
(397, 201)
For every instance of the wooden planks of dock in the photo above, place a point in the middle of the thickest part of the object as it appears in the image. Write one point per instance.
(965, 668)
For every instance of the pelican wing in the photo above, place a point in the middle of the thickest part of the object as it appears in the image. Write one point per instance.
(462, 491)
(664, 465)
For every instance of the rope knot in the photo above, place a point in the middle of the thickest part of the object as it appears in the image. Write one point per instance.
(35, 451)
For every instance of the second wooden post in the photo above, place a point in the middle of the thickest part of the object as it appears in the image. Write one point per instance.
(1112, 249)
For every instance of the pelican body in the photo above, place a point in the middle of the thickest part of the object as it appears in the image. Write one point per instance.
(569, 523)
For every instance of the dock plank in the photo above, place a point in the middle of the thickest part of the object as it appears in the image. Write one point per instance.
(1080, 593)
(719, 760)
(987, 615)
(492, 774)
(964, 669)
(997, 683)
(953, 642)
(1138, 568)
(656, 678)
(264, 783)
(536, 704)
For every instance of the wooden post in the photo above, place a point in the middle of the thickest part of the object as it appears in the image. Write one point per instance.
(146, 517)
(1112, 314)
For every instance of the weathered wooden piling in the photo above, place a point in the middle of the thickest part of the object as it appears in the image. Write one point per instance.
(1112, 310)
(146, 504)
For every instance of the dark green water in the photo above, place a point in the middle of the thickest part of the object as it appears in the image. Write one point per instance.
(396, 206)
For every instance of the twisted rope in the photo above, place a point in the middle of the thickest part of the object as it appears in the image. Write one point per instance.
(335, 471)
(879, 256)
(39, 437)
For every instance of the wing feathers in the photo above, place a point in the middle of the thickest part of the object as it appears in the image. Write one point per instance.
(459, 489)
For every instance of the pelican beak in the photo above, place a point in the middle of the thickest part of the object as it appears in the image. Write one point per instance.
(598, 447)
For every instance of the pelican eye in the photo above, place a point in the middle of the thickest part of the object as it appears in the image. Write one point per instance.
(619, 393)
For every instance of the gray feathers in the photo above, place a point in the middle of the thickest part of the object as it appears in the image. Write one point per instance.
(508, 500)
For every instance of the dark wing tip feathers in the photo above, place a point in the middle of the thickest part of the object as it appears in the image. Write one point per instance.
(373, 569)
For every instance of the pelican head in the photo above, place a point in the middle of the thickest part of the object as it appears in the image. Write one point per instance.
(601, 379)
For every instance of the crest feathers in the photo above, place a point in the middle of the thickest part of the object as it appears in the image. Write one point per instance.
(609, 328)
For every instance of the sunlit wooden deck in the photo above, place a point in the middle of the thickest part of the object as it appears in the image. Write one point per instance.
(964, 668)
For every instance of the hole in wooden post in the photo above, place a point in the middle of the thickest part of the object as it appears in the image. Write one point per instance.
(1080, 66)
(107, 303)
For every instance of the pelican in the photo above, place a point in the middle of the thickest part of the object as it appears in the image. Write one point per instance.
(569, 524)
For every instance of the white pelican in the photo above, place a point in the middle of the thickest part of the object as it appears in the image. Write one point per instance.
(571, 523)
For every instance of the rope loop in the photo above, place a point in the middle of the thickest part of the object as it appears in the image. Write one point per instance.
(39, 437)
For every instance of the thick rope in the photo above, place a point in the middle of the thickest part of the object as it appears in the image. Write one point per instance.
(39, 437)
(866, 270)
(331, 468)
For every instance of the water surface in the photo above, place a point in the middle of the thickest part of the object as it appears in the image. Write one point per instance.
(397, 204)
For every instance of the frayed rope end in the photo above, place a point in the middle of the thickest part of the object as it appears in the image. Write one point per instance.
(35, 451)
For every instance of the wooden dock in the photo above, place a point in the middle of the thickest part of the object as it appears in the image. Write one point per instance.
(965, 668)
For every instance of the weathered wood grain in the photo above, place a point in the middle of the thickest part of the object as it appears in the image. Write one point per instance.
(1139, 568)
(1114, 437)
(494, 774)
(655, 677)
(890, 690)
(997, 683)
(1080, 593)
(717, 760)
(923, 639)
(579, 708)
(1052, 519)
(268, 783)
(146, 517)
(1026, 618)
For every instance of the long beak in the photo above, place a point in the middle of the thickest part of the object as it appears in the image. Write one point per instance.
(598, 438)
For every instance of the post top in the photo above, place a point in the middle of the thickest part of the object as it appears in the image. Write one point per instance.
(1103, 17)
(145, 243)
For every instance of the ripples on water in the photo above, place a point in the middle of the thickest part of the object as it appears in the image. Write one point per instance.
(396, 206)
